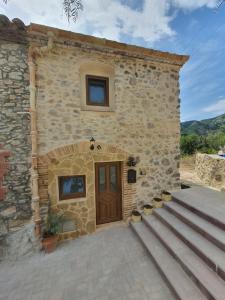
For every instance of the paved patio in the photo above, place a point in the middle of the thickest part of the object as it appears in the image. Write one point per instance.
(110, 264)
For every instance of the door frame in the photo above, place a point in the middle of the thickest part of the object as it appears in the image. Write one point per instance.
(120, 163)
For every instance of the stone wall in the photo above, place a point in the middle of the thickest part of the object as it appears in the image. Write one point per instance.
(144, 121)
(78, 159)
(14, 133)
(211, 170)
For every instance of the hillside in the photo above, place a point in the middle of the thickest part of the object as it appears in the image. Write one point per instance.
(204, 127)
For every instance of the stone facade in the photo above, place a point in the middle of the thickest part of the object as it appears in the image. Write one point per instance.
(15, 130)
(15, 204)
(78, 159)
(143, 121)
(211, 170)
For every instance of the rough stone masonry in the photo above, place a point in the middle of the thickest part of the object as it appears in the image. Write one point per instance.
(142, 119)
(15, 208)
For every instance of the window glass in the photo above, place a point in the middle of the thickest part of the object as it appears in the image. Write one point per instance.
(102, 179)
(97, 90)
(113, 178)
(71, 187)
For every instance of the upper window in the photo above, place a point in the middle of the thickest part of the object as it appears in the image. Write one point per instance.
(72, 187)
(97, 90)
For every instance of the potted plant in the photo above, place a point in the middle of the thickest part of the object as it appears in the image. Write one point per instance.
(158, 203)
(166, 196)
(135, 216)
(50, 234)
(148, 209)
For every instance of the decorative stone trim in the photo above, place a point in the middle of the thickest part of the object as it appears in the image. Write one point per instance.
(3, 170)
(62, 160)
(115, 47)
(97, 69)
(32, 54)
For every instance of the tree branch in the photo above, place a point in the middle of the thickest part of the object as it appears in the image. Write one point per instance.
(72, 8)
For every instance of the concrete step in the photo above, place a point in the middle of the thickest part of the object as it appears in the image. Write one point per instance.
(206, 229)
(177, 279)
(210, 253)
(205, 278)
(206, 203)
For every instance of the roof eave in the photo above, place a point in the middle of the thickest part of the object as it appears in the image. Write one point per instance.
(177, 59)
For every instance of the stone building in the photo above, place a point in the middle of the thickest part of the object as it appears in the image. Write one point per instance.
(98, 105)
(15, 198)
(105, 126)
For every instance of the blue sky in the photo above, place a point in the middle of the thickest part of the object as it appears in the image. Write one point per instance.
(193, 27)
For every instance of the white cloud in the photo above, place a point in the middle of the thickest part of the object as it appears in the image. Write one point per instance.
(218, 107)
(193, 4)
(108, 18)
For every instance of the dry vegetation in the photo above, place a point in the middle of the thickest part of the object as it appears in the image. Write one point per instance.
(187, 169)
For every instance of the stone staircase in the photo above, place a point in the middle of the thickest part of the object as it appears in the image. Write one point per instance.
(187, 244)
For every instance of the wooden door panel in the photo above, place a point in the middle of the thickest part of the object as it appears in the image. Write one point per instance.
(108, 192)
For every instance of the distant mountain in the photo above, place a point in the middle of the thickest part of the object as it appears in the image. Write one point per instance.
(204, 127)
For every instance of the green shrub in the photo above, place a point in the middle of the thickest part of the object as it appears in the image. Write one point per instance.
(211, 143)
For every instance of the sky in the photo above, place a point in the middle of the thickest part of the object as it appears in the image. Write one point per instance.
(193, 27)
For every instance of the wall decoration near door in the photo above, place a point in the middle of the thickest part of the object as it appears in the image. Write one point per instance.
(108, 192)
(131, 176)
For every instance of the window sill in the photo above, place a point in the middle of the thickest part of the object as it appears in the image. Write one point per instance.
(72, 200)
(97, 108)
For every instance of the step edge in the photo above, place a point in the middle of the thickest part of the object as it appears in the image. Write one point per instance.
(200, 213)
(164, 277)
(209, 261)
(167, 280)
(200, 284)
(220, 244)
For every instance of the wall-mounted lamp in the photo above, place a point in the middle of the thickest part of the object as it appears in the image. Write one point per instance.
(132, 161)
(92, 143)
(142, 171)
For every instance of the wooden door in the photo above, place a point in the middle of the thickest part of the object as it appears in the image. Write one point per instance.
(108, 192)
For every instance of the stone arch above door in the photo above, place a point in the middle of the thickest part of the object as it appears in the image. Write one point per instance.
(78, 159)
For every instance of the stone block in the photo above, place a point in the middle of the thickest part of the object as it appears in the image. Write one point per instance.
(8, 212)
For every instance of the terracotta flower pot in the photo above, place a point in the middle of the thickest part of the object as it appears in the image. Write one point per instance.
(49, 243)
(148, 209)
(166, 196)
(136, 216)
(158, 203)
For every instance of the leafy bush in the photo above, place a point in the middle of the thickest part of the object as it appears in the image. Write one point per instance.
(189, 144)
(53, 224)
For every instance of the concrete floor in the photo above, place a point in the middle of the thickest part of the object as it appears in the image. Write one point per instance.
(205, 199)
(110, 264)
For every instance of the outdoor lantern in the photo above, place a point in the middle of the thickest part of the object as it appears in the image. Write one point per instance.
(92, 143)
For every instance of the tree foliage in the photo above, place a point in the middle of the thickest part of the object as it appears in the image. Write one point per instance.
(211, 143)
(71, 8)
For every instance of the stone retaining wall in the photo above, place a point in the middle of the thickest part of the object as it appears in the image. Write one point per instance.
(211, 170)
